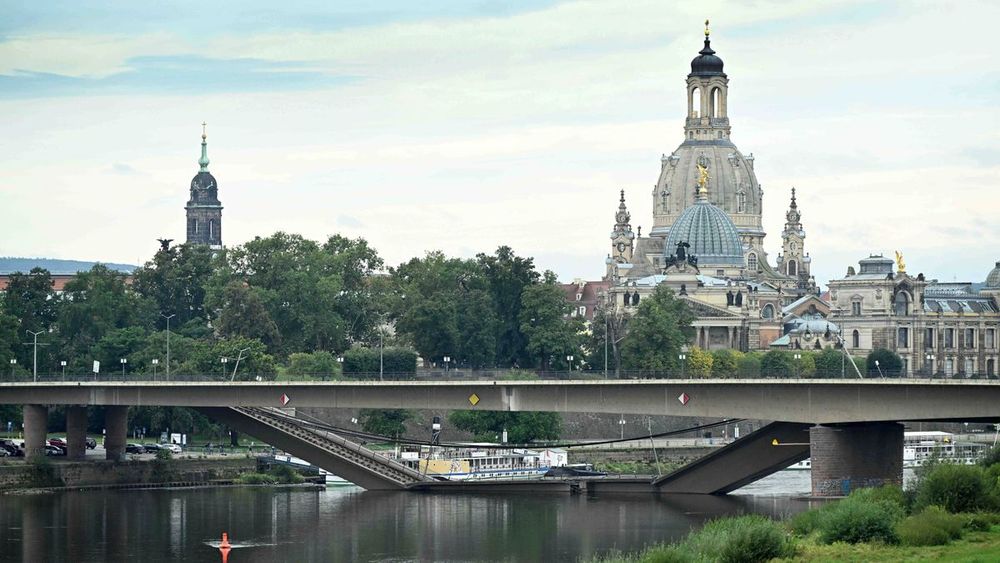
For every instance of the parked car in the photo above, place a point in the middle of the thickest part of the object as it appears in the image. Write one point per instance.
(51, 450)
(174, 448)
(58, 442)
(9, 446)
(134, 449)
(151, 448)
(4, 452)
(91, 443)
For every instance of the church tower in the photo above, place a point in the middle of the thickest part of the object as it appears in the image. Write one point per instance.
(707, 144)
(793, 261)
(204, 210)
(622, 237)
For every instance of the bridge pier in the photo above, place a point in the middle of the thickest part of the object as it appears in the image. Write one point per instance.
(851, 456)
(36, 422)
(76, 432)
(115, 432)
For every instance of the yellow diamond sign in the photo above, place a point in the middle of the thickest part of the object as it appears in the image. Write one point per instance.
(474, 399)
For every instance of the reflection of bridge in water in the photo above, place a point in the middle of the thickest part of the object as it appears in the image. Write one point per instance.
(848, 427)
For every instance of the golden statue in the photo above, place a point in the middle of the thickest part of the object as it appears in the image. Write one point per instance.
(703, 177)
(900, 265)
(706, 28)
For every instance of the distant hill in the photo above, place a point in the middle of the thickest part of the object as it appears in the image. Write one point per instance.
(10, 265)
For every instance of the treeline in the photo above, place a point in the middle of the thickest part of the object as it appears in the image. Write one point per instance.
(288, 305)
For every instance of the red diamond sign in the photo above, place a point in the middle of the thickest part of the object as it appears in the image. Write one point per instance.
(284, 399)
(684, 398)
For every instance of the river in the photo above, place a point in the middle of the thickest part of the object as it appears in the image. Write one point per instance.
(349, 524)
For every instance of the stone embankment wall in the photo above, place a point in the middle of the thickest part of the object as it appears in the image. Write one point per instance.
(19, 475)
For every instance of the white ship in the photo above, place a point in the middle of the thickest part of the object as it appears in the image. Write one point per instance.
(475, 463)
(921, 447)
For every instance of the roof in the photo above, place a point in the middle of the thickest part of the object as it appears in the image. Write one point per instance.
(712, 237)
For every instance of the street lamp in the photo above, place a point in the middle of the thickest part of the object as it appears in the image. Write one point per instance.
(34, 343)
(447, 360)
(156, 362)
(168, 317)
(929, 364)
(224, 362)
(569, 360)
(63, 364)
(13, 366)
(877, 366)
(683, 358)
(123, 362)
(798, 366)
(237, 366)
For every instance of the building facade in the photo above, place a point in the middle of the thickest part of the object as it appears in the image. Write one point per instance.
(938, 328)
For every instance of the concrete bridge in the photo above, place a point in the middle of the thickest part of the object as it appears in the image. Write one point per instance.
(848, 427)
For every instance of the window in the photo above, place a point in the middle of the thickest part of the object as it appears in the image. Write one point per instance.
(741, 200)
(970, 367)
(990, 367)
(906, 366)
(901, 304)
(768, 312)
(856, 308)
(793, 268)
(579, 296)
(903, 337)
(582, 310)
(991, 338)
(928, 338)
(949, 366)
(855, 339)
(970, 338)
(211, 228)
(949, 338)
(720, 273)
(752, 261)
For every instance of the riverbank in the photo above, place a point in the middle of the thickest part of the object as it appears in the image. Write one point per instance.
(47, 474)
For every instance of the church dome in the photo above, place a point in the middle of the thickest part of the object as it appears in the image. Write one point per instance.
(711, 234)
(706, 63)
(993, 279)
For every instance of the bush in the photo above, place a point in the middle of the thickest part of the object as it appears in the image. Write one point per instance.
(285, 474)
(395, 361)
(725, 363)
(749, 365)
(164, 454)
(777, 363)
(853, 520)
(805, 523)
(256, 479)
(889, 363)
(744, 539)
(956, 488)
(991, 458)
(933, 526)
(891, 497)
(977, 522)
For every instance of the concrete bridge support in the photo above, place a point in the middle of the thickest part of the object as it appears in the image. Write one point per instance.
(115, 432)
(36, 421)
(851, 456)
(76, 432)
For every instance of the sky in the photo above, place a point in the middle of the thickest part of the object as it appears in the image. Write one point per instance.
(464, 125)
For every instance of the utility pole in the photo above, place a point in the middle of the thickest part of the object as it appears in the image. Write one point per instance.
(34, 343)
(168, 317)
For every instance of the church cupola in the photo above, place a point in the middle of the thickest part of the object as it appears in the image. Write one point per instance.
(204, 210)
(707, 90)
(793, 261)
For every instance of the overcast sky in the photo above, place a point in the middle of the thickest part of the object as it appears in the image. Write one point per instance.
(465, 125)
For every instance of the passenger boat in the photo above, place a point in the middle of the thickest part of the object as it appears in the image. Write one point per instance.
(476, 463)
(922, 447)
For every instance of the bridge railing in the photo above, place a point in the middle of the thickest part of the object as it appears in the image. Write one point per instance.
(469, 375)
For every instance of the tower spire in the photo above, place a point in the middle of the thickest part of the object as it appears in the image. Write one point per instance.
(203, 161)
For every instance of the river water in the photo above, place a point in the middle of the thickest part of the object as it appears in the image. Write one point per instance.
(349, 524)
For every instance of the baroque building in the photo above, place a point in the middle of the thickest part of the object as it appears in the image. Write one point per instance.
(938, 328)
(204, 210)
(707, 237)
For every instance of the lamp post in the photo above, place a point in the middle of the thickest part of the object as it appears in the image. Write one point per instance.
(381, 363)
(168, 317)
(340, 361)
(13, 366)
(237, 366)
(569, 360)
(798, 366)
(34, 343)
(224, 361)
(621, 425)
(156, 362)
(63, 364)
(683, 358)
(879, 368)
(929, 364)
(123, 362)
(447, 361)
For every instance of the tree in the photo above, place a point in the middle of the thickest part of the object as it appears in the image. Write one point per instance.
(507, 275)
(725, 363)
(777, 363)
(607, 331)
(30, 303)
(889, 363)
(831, 362)
(206, 359)
(390, 423)
(243, 314)
(750, 364)
(521, 427)
(805, 366)
(122, 343)
(176, 280)
(699, 362)
(395, 361)
(545, 322)
(657, 331)
(320, 364)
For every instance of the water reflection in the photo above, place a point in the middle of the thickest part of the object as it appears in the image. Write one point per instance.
(349, 524)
